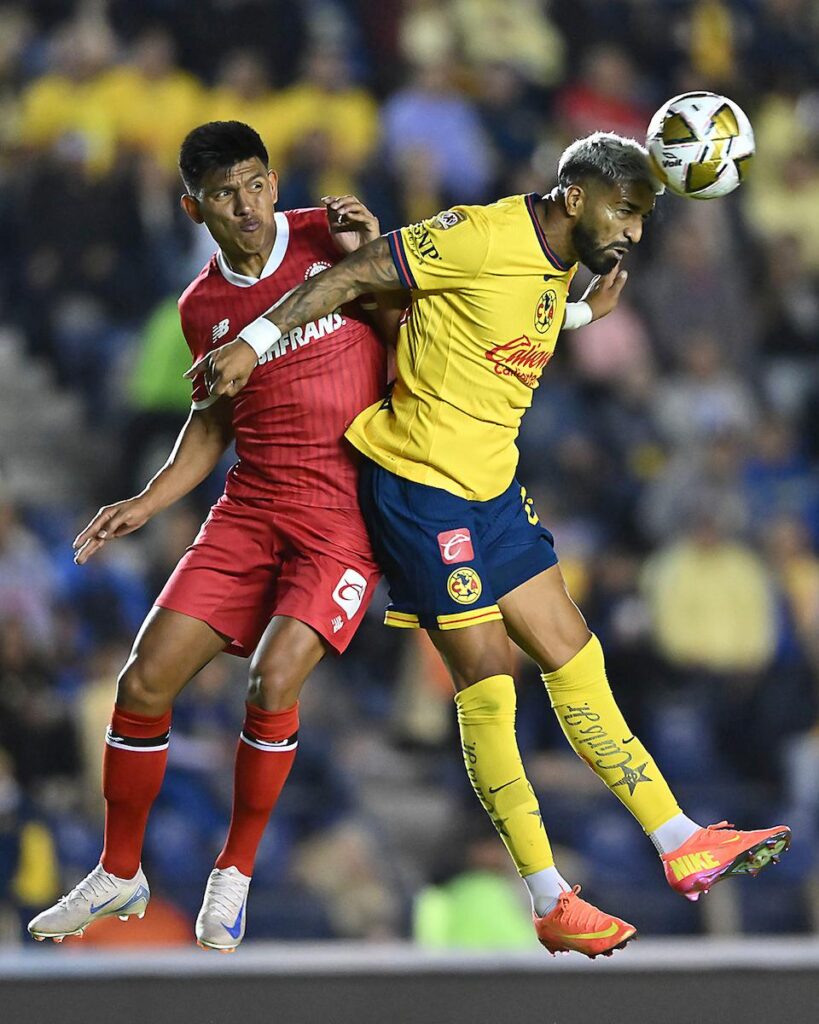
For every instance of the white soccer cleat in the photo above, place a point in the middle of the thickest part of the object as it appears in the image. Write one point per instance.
(98, 895)
(221, 921)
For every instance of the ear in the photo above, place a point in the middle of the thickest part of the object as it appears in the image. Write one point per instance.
(191, 207)
(574, 200)
(273, 178)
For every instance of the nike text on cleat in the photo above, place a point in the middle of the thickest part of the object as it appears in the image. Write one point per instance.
(98, 895)
(720, 851)
(576, 926)
(221, 921)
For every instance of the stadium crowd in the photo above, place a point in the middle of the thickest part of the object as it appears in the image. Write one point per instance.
(673, 449)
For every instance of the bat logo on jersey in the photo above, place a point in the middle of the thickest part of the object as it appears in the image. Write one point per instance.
(545, 311)
(316, 268)
(522, 358)
(456, 546)
(349, 592)
(301, 336)
(220, 329)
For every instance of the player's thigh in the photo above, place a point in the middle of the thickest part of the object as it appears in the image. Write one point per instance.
(474, 652)
(169, 650)
(287, 653)
(544, 621)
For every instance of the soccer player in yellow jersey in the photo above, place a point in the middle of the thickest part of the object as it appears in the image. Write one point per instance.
(462, 547)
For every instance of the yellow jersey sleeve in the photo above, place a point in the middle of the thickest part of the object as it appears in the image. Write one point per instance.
(446, 251)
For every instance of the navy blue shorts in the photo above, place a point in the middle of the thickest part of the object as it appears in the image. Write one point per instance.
(447, 560)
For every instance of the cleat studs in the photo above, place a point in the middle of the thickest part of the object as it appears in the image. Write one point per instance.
(123, 917)
(140, 916)
(58, 938)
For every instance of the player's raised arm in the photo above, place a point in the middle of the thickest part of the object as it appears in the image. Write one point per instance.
(198, 448)
(369, 269)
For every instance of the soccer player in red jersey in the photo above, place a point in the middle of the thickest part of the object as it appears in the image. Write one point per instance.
(282, 569)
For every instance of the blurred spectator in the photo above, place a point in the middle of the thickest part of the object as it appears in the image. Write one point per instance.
(434, 139)
(605, 97)
(27, 578)
(478, 907)
(711, 601)
(327, 125)
(243, 93)
(704, 398)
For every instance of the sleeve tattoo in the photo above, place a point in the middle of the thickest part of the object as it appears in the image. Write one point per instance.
(369, 269)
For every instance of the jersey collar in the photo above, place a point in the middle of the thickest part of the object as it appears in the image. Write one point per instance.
(551, 255)
(274, 260)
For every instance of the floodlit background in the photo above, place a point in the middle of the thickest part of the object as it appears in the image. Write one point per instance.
(673, 449)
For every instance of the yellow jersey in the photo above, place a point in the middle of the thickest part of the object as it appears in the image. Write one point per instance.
(488, 300)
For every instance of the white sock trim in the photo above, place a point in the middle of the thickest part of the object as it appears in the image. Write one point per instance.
(673, 833)
(544, 888)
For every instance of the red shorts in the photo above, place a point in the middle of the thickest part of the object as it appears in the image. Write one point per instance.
(251, 561)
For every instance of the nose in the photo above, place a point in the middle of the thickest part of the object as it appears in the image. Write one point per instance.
(241, 202)
(634, 230)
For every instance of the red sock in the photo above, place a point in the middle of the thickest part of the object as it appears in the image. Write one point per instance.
(133, 766)
(264, 757)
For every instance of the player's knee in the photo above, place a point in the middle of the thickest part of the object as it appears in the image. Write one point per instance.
(272, 686)
(144, 688)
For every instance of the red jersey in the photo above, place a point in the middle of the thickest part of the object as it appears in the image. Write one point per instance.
(290, 417)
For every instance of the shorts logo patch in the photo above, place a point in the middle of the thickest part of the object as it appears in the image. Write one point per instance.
(337, 623)
(349, 592)
(455, 546)
(464, 585)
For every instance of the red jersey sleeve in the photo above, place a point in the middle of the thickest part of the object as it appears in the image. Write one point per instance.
(199, 344)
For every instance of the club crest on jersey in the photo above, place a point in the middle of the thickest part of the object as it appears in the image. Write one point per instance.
(464, 585)
(349, 592)
(455, 546)
(316, 268)
(220, 330)
(545, 311)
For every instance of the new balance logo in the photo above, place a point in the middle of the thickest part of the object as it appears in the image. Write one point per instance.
(691, 862)
(220, 329)
(337, 623)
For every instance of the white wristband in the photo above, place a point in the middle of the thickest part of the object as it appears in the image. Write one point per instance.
(261, 334)
(578, 314)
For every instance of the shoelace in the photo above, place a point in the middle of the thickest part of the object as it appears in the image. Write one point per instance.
(720, 824)
(575, 913)
(226, 894)
(93, 885)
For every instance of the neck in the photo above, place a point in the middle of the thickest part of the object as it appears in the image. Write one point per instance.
(251, 264)
(557, 227)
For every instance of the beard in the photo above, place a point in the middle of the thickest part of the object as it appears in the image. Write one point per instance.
(587, 247)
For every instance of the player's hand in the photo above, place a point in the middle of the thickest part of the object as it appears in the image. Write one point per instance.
(112, 521)
(603, 293)
(226, 369)
(351, 223)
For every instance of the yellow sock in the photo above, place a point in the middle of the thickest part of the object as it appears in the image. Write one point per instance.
(486, 716)
(592, 723)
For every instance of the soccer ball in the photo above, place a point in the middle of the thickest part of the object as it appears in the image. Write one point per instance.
(700, 144)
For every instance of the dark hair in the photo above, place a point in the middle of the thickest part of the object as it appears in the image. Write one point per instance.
(607, 157)
(217, 144)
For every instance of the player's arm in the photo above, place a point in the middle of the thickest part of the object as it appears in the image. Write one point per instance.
(198, 449)
(353, 225)
(599, 299)
(368, 269)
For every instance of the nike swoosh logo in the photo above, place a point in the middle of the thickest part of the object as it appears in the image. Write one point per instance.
(102, 906)
(607, 933)
(629, 739)
(733, 839)
(234, 929)
(497, 789)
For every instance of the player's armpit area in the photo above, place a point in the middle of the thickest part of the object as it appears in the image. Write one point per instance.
(369, 269)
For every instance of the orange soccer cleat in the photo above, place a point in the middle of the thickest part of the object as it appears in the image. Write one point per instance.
(576, 925)
(720, 851)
